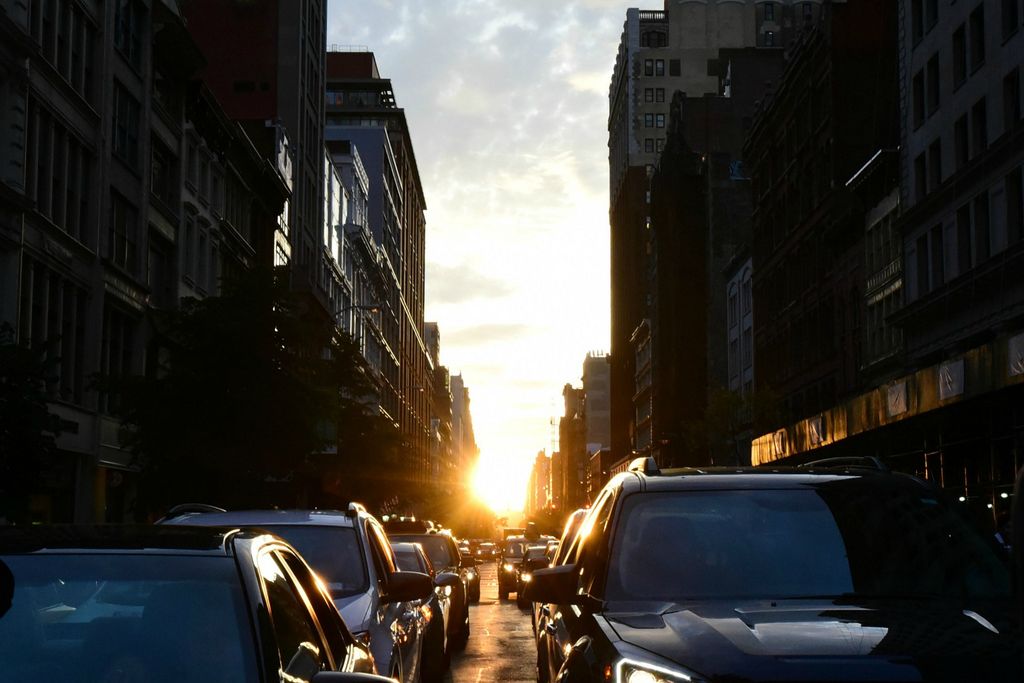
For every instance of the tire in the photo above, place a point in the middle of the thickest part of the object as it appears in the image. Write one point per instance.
(436, 662)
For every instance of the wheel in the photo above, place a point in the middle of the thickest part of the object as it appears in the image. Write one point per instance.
(435, 659)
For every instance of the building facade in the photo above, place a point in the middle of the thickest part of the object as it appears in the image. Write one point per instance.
(125, 188)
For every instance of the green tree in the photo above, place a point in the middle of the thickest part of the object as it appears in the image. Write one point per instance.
(249, 388)
(27, 429)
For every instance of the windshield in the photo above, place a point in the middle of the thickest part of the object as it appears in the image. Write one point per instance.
(332, 551)
(436, 547)
(514, 549)
(125, 618)
(536, 552)
(840, 539)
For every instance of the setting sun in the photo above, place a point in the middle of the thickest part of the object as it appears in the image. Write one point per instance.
(500, 482)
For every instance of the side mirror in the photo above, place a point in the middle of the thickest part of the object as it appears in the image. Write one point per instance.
(407, 586)
(555, 585)
(447, 579)
(339, 677)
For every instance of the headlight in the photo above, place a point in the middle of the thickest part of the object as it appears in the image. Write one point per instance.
(634, 671)
(527, 578)
(510, 567)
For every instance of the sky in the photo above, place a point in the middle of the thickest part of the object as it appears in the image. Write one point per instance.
(507, 104)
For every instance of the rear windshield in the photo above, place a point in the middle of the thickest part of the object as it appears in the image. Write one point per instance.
(437, 548)
(850, 539)
(409, 561)
(332, 551)
(120, 617)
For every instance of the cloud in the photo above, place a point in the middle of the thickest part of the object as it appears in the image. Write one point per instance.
(486, 334)
(461, 283)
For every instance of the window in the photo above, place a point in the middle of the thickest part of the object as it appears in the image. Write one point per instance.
(808, 10)
(163, 177)
(933, 84)
(659, 95)
(649, 145)
(648, 94)
(128, 26)
(188, 248)
(918, 110)
(922, 265)
(126, 126)
(961, 150)
(959, 55)
(1014, 206)
(938, 258)
(660, 145)
(1011, 18)
(192, 163)
(160, 272)
(674, 67)
(648, 120)
(1011, 99)
(935, 164)
(964, 251)
(116, 352)
(977, 24)
(931, 14)
(659, 67)
(54, 313)
(920, 177)
(648, 67)
(979, 125)
(769, 11)
(769, 38)
(122, 238)
(917, 19)
(299, 645)
(982, 238)
(660, 120)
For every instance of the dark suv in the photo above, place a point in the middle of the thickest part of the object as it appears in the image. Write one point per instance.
(812, 574)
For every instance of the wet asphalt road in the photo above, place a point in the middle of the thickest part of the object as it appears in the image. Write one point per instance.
(501, 645)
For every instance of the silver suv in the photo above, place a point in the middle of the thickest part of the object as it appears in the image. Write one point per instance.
(352, 555)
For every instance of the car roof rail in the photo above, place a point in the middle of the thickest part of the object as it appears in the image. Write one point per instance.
(354, 509)
(646, 465)
(862, 462)
(186, 508)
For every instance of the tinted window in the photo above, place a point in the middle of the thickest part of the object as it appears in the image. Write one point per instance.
(437, 548)
(302, 653)
(333, 552)
(409, 561)
(125, 617)
(848, 537)
(325, 611)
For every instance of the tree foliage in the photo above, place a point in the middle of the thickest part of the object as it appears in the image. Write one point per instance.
(254, 400)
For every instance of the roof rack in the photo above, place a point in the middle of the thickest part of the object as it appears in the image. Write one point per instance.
(648, 466)
(354, 509)
(186, 508)
(862, 462)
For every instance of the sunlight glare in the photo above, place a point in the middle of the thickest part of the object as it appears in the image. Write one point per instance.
(500, 482)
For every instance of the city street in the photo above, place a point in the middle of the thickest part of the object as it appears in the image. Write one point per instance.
(501, 643)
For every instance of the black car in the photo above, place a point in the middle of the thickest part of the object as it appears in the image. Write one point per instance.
(536, 557)
(445, 557)
(512, 551)
(782, 575)
(134, 604)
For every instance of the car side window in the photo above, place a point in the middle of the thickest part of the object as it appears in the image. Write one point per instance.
(383, 557)
(326, 612)
(302, 652)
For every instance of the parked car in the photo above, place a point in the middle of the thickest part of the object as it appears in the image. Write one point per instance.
(168, 604)
(508, 564)
(444, 557)
(351, 553)
(822, 573)
(434, 611)
(536, 557)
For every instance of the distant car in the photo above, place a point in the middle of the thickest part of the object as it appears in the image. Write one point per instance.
(350, 551)
(166, 604)
(824, 573)
(444, 557)
(508, 564)
(486, 551)
(536, 557)
(434, 612)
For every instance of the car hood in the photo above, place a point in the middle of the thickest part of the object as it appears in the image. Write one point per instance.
(821, 640)
(355, 610)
